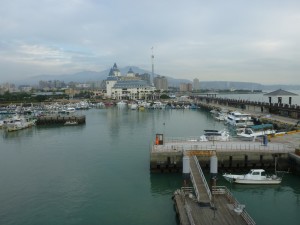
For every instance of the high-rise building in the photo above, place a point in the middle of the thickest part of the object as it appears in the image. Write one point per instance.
(185, 87)
(161, 83)
(196, 84)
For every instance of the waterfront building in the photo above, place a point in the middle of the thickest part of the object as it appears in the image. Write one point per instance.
(127, 87)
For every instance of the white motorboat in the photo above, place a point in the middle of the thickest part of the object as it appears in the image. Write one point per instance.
(17, 122)
(255, 131)
(255, 176)
(122, 104)
(239, 119)
(215, 135)
(221, 116)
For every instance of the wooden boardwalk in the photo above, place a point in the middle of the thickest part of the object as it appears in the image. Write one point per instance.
(203, 207)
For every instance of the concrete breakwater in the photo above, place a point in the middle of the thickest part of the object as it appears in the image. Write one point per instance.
(59, 119)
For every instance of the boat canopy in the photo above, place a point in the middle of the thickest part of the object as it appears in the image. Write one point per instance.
(262, 126)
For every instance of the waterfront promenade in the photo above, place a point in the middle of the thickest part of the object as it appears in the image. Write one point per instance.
(255, 109)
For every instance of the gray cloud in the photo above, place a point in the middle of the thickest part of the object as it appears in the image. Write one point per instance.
(224, 40)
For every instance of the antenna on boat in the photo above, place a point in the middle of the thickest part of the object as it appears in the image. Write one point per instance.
(275, 164)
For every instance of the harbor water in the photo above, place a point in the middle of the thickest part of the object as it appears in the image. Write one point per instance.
(98, 173)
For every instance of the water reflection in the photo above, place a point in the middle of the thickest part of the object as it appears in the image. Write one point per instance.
(165, 184)
(19, 134)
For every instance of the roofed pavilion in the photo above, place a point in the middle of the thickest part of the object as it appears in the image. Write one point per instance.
(279, 94)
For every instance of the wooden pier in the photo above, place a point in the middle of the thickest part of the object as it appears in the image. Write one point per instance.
(60, 119)
(201, 205)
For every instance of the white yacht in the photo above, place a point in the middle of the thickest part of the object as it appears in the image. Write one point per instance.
(255, 176)
(215, 135)
(239, 119)
(255, 131)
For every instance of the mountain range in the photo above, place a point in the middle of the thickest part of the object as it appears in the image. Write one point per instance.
(92, 76)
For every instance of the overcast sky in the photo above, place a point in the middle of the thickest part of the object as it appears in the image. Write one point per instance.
(228, 40)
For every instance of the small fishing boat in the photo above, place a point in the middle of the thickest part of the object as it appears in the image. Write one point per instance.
(255, 131)
(70, 123)
(255, 176)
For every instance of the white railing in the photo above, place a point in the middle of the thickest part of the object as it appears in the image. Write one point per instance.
(223, 146)
(202, 177)
(222, 190)
(195, 185)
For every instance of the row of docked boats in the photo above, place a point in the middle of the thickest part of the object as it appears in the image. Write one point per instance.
(141, 105)
(244, 125)
(247, 130)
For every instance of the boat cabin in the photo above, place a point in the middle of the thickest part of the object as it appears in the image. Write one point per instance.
(256, 174)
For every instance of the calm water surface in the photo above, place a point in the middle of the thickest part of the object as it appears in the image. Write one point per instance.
(98, 173)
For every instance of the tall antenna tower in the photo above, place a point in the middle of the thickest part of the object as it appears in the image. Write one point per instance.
(152, 60)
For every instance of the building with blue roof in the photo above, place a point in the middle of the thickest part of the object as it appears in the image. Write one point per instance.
(127, 87)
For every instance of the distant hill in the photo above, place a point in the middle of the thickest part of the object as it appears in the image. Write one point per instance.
(244, 85)
(229, 85)
(88, 76)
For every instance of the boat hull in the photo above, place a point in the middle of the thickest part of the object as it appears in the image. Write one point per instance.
(245, 179)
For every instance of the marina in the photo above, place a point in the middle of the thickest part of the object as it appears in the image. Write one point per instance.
(90, 162)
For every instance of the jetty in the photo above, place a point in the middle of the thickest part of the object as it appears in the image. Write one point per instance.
(60, 119)
(200, 204)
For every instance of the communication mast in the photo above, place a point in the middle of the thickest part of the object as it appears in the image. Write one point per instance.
(152, 60)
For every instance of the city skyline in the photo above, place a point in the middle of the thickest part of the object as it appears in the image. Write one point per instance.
(215, 41)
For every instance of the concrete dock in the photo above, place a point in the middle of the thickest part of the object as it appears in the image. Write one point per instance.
(166, 156)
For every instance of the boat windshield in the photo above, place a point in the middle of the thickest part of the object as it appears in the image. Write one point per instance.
(263, 173)
(255, 173)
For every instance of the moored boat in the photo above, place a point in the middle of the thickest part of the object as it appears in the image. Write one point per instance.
(238, 119)
(70, 123)
(255, 131)
(17, 122)
(215, 135)
(255, 176)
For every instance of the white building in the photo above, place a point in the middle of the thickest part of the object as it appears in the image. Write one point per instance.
(126, 87)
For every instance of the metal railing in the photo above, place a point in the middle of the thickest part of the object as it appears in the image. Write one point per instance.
(202, 177)
(223, 146)
(222, 190)
(195, 185)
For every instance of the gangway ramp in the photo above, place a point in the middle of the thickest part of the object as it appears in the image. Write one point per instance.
(199, 182)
